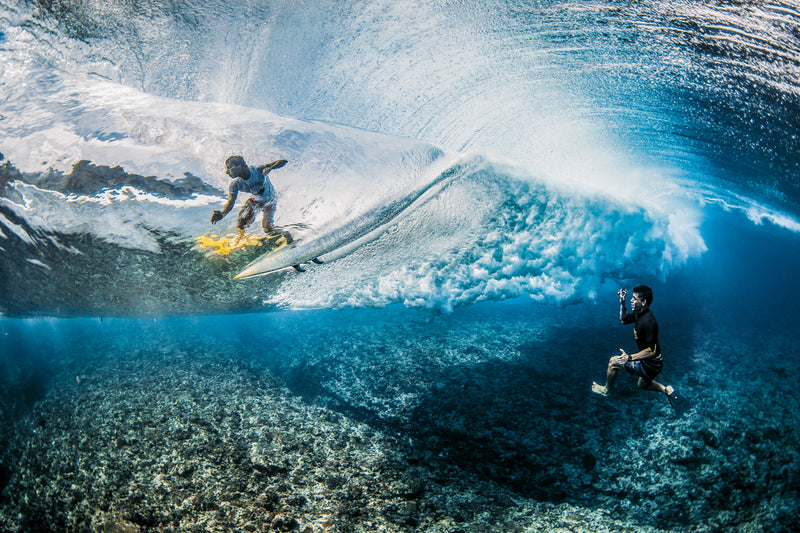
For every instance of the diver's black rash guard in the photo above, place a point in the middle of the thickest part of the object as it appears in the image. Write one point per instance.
(645, 330)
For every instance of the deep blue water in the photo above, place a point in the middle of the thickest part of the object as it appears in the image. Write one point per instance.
(496, 171)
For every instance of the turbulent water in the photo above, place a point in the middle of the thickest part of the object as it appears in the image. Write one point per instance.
(480, 178)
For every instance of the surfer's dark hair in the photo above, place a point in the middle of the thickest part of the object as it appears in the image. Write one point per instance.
(646, 292)
(235, 159)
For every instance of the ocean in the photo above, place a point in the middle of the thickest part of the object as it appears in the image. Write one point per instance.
(479, 180)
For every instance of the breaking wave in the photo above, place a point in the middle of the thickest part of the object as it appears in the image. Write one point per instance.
(580, 144)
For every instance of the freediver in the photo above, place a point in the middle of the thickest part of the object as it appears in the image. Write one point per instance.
(647, 363)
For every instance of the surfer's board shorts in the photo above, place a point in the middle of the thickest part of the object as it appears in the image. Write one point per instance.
(647, 369)
(251, 208)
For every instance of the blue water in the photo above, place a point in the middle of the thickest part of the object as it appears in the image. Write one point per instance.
(562, 151)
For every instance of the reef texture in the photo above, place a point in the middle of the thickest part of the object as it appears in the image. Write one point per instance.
(462, 429)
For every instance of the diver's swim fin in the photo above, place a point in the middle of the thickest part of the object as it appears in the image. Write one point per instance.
(678, 402)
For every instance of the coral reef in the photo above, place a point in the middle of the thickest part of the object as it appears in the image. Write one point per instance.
(334, 423)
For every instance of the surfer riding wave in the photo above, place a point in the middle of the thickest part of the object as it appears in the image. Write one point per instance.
(263, 199)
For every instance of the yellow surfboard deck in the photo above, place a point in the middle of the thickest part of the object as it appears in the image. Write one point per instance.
(226, 244)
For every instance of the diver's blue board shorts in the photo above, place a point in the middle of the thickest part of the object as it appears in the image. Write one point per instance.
(647, 369)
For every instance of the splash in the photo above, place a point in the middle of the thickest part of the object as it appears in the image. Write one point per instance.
(576, 149)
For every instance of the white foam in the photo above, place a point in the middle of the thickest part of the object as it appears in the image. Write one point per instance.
(469, 244)
(120, 216)
(16, 229)
(38, 263)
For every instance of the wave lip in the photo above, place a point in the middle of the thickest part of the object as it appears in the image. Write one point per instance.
(484, 235)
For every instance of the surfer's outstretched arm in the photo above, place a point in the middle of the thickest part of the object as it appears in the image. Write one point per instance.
(218, 215)
(278, 163)
(264, 169)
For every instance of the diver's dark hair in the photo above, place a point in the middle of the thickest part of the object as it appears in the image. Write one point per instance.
(234, 159)
(646, 292)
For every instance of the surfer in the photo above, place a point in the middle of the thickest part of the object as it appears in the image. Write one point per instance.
(646, 364)
(255, 181)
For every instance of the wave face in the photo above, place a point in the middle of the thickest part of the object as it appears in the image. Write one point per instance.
(576, 144)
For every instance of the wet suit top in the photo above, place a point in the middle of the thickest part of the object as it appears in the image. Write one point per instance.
(258, 185)
(645, 330)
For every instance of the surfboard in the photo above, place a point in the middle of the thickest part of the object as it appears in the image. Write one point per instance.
(349, 235)
(213, 244)
(283, 257)
(333, 244)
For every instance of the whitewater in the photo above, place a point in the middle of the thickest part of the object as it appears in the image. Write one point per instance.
(536, 191)
(479, 178)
